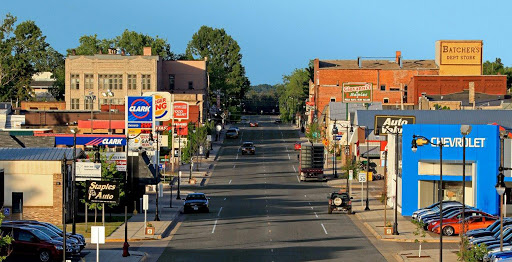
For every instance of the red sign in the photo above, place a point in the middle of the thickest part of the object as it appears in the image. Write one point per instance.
(181, 128)
(180, 110)
(310, 103)
(161, 128)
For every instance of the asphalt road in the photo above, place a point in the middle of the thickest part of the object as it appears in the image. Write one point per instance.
(260, 212)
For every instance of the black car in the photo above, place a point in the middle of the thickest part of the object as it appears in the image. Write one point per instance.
(232, 133)
(339, 202)
(196, 202)
(248, 148)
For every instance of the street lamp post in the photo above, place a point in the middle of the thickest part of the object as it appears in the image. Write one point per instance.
(157, 173)
(347, 154)
(500, 185)
(64, 177)
(126, 245)
(334, 134)
(109, 94)
(367, 208)
(464, 130)
(73, 190)
(395, 224)
(420, 141)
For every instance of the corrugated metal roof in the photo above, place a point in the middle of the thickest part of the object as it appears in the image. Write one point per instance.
(374, 150)
(442, 117)
(37, 154)
(378, 64)
(337, 110)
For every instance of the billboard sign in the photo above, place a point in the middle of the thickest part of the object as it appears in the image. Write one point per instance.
(181, 110)
(87, 171)
(162, 105)
(102, 192)
(385, 125)
(461, 53)
(181, 128)
(357, 93)
(140, 118)
(107, 140)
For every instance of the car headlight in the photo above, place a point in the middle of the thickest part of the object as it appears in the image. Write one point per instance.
(58, 247)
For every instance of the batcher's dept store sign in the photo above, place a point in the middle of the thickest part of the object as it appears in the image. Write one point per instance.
(357, 92)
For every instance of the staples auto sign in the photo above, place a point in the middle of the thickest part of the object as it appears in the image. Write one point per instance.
(181, 110)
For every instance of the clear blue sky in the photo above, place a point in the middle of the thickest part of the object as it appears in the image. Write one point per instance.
(277, 36)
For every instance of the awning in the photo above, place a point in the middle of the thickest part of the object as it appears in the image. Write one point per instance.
(374, 151)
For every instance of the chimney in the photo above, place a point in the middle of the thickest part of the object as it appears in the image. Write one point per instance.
(359, 61)
(73, 52)
(147, 51)
(122, 52)
(398, 58)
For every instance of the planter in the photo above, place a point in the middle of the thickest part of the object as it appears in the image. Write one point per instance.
(388, 230)
(150, 230)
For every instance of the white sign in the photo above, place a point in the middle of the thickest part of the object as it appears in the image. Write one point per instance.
(119, 158)
(97, 235)
(209, 138)
(351, 174)
(179, 142)
(88, 171)
(362, 177)
(145, 202)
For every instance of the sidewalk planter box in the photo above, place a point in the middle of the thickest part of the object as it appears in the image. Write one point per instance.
(388, 230)
(150, 230)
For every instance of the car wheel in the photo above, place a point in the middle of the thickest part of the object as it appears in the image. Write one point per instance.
(207, 210)
(448, 231)
(329, 210)
(44, 255)
(349, 211)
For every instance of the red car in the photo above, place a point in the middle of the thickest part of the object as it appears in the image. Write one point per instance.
(456, 217)
(297, 145)
(474, 222)
(253, 124)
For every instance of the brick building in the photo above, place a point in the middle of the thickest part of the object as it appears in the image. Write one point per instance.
(390, 79)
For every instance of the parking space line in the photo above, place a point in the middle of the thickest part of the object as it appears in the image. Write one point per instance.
(294, 170)
(234, 166)
(298, 179)
(324, 229)
(215, 225)
(218, 214)
(289, 158)
(230, 182)
(237, 156)
(313, 212)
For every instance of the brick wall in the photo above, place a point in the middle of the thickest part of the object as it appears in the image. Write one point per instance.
(43, 106)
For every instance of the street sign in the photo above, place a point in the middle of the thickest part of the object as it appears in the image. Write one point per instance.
(362, 177)
(338, 137)
(7, 211)
(351, 174)
(145, 202)
(97, 235)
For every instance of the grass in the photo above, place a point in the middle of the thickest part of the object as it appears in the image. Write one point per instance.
(110, 227)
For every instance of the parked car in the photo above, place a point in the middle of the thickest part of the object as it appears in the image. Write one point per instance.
(31, 242)
(435, 209)
(297, 145)
(277, 121)
(435, 213)
(253, 124)
(73, 243)
(490, 230)
(248, 148)
(339, 202)
(232, 133)
(429, 208)
(498, 256)
(488, 239)
(78, 237)
(472, 222)
(496, 250)
(196, 202)
(456, 216)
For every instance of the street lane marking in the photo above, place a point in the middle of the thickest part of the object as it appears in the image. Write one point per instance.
(236, 156)
(224, 198)
(215, 225)
(272, 250)
(314, 212)
(230, 182)
(305, 196)
(234, 166)
(309, 203)
(289, 158)
(218, 214)
(324, 229)
(298, 179)
(294, 170)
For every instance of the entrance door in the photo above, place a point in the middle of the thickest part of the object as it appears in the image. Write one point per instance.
(17, 202)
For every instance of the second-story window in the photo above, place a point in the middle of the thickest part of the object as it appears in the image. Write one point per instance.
(132, 82)
(88, 81)
(382, 87)
(75, 81)
(171, 82)
(146, 82)
(75, 103)
(190, 85)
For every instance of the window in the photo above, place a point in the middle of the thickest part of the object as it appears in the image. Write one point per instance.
(111, 82)
(385, 100)
(132, 82)
(382, 87)
(405, 87)
(25, 236)
(75, 103)
(171, 82)
(333, 99)
(395, 89)
(88, 80)
(75, 81)
(190, 85)
(87, 104)
(146, 82)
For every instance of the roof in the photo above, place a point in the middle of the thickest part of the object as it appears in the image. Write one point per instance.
(377, 64)
(337, 110)
(480, 98)
(443, 117)
(112, 57)
(374, 150)
(37, 154)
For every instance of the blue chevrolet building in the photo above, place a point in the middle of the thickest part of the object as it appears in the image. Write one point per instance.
(421, 172)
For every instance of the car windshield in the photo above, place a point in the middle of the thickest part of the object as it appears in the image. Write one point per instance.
(53, 227)
(247, 145)
(47, 231)
(40, 235)
(196, 197)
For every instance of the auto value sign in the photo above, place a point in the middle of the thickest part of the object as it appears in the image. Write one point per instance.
(357, 92)
(102, 192)
(385, 125)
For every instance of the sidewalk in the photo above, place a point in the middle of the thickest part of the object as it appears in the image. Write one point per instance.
(115, 255)
(373, 220)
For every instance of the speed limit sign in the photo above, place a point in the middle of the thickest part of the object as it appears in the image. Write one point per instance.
(362, 177)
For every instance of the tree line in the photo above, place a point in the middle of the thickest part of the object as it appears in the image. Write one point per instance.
(24, 52)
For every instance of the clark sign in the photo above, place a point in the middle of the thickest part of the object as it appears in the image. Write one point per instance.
(357, 92)
(102, 192)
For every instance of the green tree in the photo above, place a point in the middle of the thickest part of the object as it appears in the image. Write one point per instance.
(314, 132)
(5, 240)
(292, 93)
(497, 68)
(23, 52)
(225, 69)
